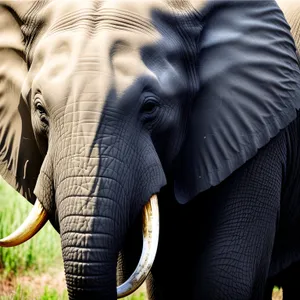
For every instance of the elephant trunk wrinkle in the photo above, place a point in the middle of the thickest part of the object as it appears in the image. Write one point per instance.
(90, 255)
(90, 235)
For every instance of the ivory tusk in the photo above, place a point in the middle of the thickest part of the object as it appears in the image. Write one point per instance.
(34, 222)
(150, 243)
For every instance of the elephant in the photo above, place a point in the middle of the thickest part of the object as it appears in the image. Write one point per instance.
(162, 127)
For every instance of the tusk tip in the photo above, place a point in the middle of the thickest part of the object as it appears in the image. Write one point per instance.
(36, 219)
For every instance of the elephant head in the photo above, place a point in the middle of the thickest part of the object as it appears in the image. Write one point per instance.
(102, 103)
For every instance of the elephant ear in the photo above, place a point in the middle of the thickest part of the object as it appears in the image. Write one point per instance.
(20, 159)
(249, 89)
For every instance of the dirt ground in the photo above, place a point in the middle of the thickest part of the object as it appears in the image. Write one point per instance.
(55, 279)
(277, 295)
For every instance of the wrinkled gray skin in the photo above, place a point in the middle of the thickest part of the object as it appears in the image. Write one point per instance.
(92, 162)
(87, 156)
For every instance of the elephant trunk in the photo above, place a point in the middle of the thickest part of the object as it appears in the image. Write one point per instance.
(93, 216)
(89, 247)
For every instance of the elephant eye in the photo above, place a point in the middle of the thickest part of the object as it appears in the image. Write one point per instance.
(42, 114)
(41, 110)
(150, 106)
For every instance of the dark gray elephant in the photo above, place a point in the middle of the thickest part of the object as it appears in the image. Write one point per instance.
(104, 104)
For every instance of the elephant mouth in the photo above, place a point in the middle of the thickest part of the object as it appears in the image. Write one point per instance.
(38, 218)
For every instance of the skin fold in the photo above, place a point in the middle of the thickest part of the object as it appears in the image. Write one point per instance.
(105, 103)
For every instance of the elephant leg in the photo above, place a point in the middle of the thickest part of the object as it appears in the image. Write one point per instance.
(236, 257)
(290, 279)
(152, 290)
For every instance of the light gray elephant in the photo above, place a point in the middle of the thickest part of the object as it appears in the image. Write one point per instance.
(107, 104)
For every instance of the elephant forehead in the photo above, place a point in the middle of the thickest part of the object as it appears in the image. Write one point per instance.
(67, 37)
(72, 59)
(45, 18)
(108, 11)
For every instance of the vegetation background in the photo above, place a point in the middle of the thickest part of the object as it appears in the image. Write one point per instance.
(34, 270)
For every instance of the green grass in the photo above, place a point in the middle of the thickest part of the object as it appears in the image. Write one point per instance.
(141, 296)
(22, 293)
(37, 253)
